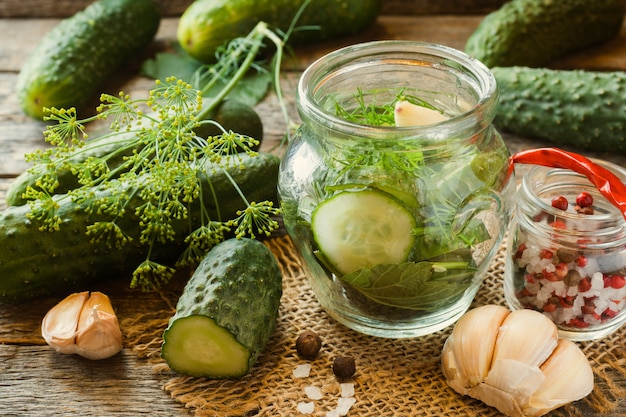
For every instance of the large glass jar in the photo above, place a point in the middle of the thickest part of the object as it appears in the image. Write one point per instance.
(566, 254)
(396, 226)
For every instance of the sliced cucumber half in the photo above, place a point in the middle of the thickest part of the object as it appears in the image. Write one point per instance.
(361, 229)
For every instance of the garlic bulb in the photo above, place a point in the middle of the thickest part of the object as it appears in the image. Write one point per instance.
(85, 324)
(515, 362)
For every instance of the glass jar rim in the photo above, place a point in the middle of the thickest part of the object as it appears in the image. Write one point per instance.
(478, 117)
(531, 195)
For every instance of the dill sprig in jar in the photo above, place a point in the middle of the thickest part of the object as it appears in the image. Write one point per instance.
(566, 252)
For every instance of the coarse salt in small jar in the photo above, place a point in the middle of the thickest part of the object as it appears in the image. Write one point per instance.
(566, 253)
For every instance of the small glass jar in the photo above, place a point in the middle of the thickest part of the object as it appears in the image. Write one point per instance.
(567, 259)
(396, 226)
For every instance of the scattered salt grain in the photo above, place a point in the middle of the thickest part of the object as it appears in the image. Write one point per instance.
(302, 371)
(314, 393)
(347, 390)
(344, 404)
(306, 407)
(332, 413)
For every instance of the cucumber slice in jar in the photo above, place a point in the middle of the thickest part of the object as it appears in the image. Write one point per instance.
(361, 229)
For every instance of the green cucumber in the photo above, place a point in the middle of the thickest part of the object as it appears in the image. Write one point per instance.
(575, 108)
(231, 115)
(236, 116)
(362, 229)
(536, 32)
(226, 313)
(114, 148)
(71, 62)
(37, 263)
(207, 25)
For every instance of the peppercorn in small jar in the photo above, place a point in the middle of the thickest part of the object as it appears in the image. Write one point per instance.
(566, 252)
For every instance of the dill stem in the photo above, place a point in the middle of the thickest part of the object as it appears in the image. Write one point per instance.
(253, 41)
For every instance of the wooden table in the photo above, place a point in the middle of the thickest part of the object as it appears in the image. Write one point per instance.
(35, 381)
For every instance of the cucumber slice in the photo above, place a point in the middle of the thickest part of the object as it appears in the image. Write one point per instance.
(199, 346)
(361, 229)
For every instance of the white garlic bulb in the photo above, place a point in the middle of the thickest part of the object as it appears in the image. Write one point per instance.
(515, 362)
(84, 324)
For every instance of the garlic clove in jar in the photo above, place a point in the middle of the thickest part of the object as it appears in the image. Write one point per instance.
(473, 340)
(98, 334)
(409, 114)
(530, 369)
(85, 324)
(568, 378)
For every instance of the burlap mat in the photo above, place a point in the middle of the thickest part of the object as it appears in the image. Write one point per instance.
(394, 377)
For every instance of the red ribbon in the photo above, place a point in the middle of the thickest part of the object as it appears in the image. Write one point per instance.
(604, 180)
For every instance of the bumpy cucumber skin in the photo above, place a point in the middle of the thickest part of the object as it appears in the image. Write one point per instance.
(35, 263)
(238, 284)
(577, 108)
(76, 56)
(208, 24)
(535, 32)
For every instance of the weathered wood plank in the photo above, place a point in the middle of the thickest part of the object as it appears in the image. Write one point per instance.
(36, 381)
(62, 8)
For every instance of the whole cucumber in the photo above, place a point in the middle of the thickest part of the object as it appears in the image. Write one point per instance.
(535, 32)
(226, 313)
(207, 25)
(69, 64)
(577, 108)
(36, 263)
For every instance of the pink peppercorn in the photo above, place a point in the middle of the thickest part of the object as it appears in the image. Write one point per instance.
(560, 203)
(584, 199)
(584, 285)
(549, 307)
(581, 261)
(561, 270)
(618, 281)
(546, 254)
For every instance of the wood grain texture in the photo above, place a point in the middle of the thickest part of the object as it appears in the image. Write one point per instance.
(34, 380)
(62, 8)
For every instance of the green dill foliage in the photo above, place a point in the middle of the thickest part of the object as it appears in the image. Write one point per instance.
(163, 170)
(445, 187)
(373, 113)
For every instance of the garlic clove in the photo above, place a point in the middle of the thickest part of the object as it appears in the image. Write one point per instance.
(450, 367)
(526, 336)
(468, 351)
(99, 335)
(409, 114)
(83, 323)
(503, 401)
(568, 377)
(516, 378)
(59, 325)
